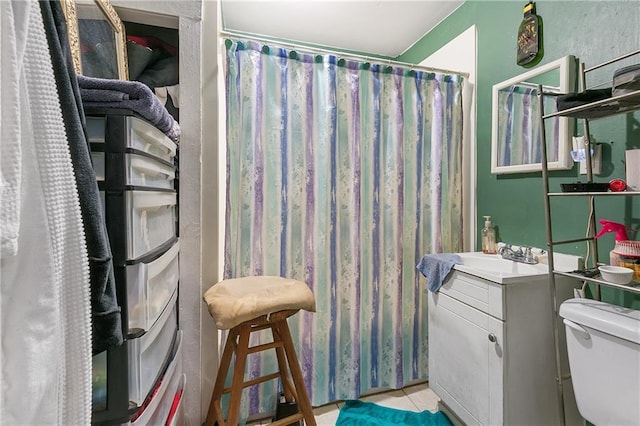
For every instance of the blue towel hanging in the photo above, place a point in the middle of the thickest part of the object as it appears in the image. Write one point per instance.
(437, 267)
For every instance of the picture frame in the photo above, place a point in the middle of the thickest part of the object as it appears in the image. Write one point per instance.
(515, 120)
(97, 39)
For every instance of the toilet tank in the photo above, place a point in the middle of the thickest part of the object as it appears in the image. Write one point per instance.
(603, 345)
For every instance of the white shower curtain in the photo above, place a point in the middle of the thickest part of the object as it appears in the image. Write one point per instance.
(342, 174)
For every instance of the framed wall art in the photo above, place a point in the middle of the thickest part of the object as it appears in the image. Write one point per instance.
(97, 39)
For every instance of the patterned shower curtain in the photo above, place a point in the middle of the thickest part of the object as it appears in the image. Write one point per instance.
(518, 130)
(342, 174)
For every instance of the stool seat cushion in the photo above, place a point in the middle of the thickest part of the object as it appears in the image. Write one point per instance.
(236, 300)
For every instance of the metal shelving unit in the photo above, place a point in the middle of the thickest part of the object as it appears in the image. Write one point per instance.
(592, 111)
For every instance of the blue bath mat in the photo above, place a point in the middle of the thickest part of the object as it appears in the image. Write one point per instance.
(369, 414)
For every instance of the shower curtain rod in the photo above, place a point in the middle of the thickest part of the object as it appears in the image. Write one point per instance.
(339, 53)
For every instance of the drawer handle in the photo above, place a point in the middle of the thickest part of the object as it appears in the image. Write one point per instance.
(492, 338)
(150, 134)
(146, 166)
(578, 329)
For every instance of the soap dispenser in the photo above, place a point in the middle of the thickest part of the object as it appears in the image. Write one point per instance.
(488, 237)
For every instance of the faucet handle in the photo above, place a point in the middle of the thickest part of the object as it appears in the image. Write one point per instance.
(528, 254)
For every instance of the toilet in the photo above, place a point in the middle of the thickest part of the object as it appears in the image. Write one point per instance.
(603, 345)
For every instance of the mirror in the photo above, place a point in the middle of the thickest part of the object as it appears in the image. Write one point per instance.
(97, 39)
(515, 120)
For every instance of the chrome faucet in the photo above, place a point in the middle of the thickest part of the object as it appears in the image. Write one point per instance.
(522, 254)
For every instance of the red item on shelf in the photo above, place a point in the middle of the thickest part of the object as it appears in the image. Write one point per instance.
(153, 42)
(617, 185)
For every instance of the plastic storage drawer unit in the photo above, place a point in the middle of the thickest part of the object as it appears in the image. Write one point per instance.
(176, 415)
(99, 381)
(148, 354)
(139, 135)
(151, 221)
(143, 171)
(139, 170)
(149, 288)
(157, 410)
(136, 168)
(98, 161)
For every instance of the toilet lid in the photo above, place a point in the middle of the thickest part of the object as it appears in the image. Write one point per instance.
(618, 321)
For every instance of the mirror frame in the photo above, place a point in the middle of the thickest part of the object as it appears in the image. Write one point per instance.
(567, 71)
(110, 14)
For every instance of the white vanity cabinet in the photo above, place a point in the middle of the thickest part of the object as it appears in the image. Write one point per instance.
(491, 356)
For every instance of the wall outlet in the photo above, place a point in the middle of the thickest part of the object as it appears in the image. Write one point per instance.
(596, 161)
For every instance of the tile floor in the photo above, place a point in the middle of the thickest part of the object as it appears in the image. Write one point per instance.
(412, 398)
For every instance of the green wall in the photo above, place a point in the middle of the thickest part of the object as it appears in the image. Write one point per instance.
(592, 31)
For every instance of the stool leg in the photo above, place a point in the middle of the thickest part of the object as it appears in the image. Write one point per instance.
(215, 407)
(287, 387)
(237, 385)
(296, 373)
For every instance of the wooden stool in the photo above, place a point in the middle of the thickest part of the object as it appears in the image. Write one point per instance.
(246, 305)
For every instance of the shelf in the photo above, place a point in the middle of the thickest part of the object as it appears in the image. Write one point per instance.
(598, 194)
(590, 111)
(603, 108)
(633, 287)
(575, 240)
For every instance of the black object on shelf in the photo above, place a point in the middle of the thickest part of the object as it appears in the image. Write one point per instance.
(572, 100)
(584, 187)
(589, 272)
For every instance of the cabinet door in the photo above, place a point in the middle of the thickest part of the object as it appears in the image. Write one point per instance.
(466, 360)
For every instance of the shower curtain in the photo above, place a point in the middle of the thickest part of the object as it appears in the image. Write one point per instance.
(342, 174)
(518, 132)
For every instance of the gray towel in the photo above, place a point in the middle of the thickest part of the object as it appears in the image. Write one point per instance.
(106, 321)
(101, 95)
(141, 100)
(437, 267)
